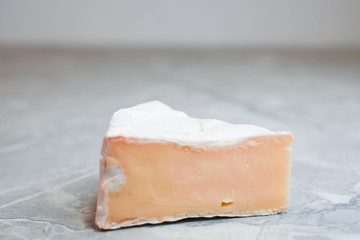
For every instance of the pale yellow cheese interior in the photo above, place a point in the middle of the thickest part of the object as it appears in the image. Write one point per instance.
(168, 181)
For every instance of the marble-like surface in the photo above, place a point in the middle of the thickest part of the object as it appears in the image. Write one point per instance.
(55, 105)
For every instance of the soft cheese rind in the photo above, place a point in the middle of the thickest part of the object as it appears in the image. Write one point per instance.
(155, 121)
(140, 221)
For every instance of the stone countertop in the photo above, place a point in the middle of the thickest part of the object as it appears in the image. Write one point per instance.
(55, 105)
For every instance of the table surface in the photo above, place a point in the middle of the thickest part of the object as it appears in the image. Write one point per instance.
(55, 105)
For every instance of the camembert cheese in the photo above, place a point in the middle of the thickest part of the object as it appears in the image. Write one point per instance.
(159, 165)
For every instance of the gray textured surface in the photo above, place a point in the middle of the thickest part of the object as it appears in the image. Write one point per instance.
(55, 105)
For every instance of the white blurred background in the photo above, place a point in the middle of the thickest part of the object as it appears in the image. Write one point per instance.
(189, 23)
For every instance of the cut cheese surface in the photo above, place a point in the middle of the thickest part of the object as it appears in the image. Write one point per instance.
(160, 165)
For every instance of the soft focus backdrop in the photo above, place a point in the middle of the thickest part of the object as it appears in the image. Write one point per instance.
(66, 66)
(241, 23)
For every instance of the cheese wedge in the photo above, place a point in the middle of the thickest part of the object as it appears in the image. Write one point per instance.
(159, 165)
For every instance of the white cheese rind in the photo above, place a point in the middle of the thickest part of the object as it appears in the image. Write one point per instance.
(140, 221)
(155, 121)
